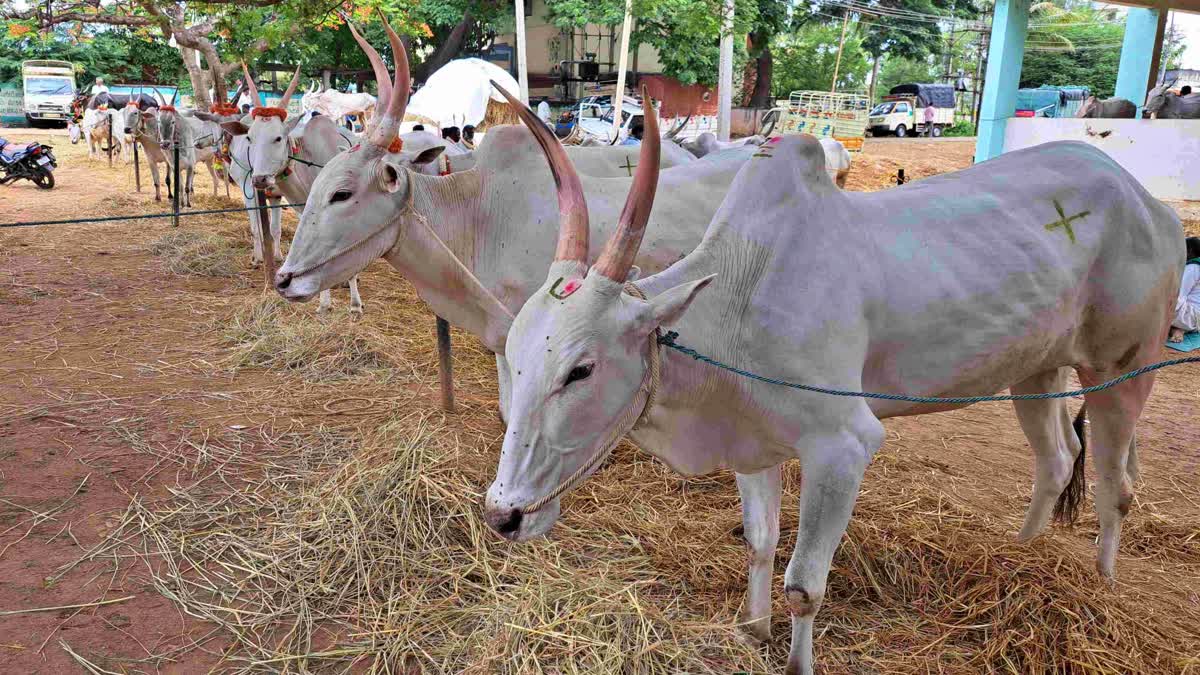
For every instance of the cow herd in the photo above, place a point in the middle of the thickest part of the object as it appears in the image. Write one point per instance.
(568, 262)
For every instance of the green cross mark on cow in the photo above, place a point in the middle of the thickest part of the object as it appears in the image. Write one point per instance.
(1065, 222)
(628, 165)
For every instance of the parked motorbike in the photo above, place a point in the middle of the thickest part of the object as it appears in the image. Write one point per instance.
(32, 161)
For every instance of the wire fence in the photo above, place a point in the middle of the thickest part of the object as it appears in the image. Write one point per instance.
(146, 216)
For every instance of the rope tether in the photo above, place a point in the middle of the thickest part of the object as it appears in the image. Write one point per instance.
(669, 341)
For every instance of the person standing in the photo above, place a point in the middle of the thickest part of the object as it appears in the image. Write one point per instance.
(930, 113)
(99, 88)
(543, 110)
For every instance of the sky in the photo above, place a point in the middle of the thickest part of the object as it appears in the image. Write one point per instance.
(1189, 25)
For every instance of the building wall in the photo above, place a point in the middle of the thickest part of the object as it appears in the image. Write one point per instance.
(1164, 155)
(546, 45)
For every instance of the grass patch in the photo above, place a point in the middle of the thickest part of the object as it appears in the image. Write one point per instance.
(200, 253)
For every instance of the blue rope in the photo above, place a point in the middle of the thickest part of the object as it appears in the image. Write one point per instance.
(668, 340)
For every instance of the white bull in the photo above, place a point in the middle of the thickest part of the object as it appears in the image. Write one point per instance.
(338, 105)
(882, 292)
(707, 143)
(471, 242)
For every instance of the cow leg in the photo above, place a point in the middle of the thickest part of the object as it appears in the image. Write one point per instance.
(191, 185)
(356, 303)
(505, 382)
(326, 302)
(1114, 413)
(760, 493)
(277, 228)
(255, 233)
(154, 176)
(833, 471)
(212, 171)
(1047, 427)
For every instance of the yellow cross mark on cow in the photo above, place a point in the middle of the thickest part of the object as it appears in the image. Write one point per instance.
(628, 165)
(1065, 222)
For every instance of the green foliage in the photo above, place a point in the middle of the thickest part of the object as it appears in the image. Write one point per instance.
(116, 54)
(1083, 49)
(805, 58)
(899, 70)
(892, 36)
(962, 127)
(686, 33)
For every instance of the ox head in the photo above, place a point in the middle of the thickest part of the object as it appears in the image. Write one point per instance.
(1156, 98)
(350, 218)
(578, 350)
(168, 126)
(269, 132)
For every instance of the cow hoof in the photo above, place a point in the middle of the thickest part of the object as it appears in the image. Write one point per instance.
(356, 313)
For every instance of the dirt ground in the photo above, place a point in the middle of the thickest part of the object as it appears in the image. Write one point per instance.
(114, 366)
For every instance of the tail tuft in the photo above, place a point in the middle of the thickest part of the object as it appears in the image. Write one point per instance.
(1066, 509)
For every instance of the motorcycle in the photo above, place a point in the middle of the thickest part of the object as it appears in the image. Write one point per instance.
(32, 161)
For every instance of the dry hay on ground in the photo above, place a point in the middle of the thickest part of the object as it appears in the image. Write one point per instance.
(364, 545)
(191, 251)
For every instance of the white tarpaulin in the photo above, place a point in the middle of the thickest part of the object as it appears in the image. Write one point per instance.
(457, 93)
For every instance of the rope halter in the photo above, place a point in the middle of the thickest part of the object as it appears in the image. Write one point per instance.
(632, 418)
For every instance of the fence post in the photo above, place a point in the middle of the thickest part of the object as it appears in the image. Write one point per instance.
(268, 248)
(175, 174)
(445, 364)
(110, 139)
(137, 168)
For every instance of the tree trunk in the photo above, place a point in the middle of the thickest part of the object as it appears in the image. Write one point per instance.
(761, 97)
(874, 81)
(198, 77)
(447, 50)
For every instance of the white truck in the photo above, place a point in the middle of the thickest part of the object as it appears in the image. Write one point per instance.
(49, 88)
(902, 111)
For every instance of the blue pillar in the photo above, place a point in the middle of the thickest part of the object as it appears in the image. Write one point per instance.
(1006, 50)
(1137, 53)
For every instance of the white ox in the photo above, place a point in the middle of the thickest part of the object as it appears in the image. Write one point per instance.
(707, 143)
(103, 128)
(143, 128)
(837, 161)
(471, 242)
(338, 105)
(881, 292)
(175, 128)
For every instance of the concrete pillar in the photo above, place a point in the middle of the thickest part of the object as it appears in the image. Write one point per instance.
(522, 71)
(1006, 50)
(725, 75)
(1137, 54)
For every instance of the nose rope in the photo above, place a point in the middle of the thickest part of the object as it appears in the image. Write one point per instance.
(633, 417)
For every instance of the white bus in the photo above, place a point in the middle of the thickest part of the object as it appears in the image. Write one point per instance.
(49, 89)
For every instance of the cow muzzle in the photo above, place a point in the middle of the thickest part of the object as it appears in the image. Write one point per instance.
(263, 182)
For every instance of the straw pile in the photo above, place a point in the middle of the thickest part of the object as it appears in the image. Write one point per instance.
(191, 251)
(364, 546)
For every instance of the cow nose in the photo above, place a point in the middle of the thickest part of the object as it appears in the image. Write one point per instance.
(505, 522)
(283, 280)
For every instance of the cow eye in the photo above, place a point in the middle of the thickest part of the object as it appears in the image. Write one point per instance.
(579, 373)
(278, 138)
(339, 196)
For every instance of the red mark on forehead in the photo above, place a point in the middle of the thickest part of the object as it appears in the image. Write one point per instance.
(567, 289)
(354, 148)
(775, 140)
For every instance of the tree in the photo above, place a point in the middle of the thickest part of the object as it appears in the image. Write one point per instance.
(773, 18)
(686, 33)
(899, 70)
(805, 59)
(1073, 45)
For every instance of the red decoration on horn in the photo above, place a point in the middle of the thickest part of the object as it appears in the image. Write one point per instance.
(167, 108)
(224, 109)
(396, 145)
(263, 111)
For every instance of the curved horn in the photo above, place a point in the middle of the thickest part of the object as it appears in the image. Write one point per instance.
(389, 122)
(675, 132)
(572, 206)
(238, 94)
(287, 94)
(619, 252)
(381, 72)
(254, 102)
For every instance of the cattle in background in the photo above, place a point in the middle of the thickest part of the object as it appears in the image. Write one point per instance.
(1163, 103)
(1111, 108)
(176, 129)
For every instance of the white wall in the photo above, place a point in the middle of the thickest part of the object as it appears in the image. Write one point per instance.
(1163, 154)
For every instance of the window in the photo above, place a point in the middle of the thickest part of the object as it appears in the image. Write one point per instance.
(902, 108)
(47, 86)
(883, 108)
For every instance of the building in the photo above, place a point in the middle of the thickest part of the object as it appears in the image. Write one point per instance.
(1163, 154)
(586, 56)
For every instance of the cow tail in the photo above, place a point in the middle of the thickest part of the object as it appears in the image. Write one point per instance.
(1066, 509)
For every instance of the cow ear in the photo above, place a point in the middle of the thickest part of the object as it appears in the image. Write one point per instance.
(389, 175)
(235, 128)
(635, 273)
(428, 155)
(668, 307)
